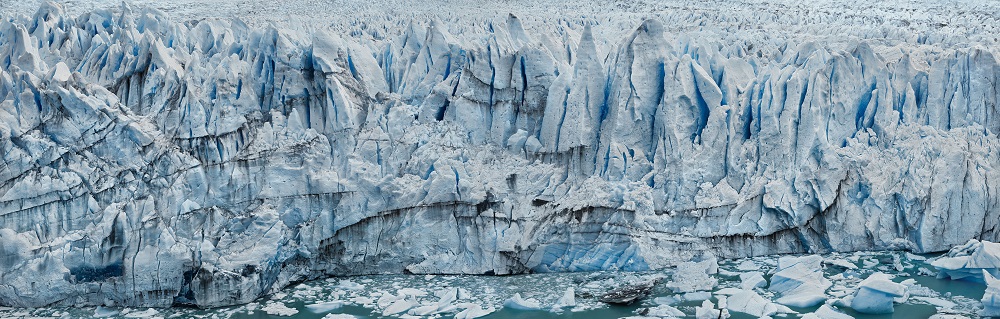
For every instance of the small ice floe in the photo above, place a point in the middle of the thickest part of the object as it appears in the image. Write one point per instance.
(398, 306)
(937, 302)
(662, 311)
(350, 285)
(751, 280)
(148, 313)
(826, 312)
(473, 311)
(751, 303)
(800, 281)
(102, 312)
(279, 309)
(969, 261)
(840, 262)
(876, 294)
(339, 316)
(668, 300)
(707, 311)
(747, 265)
(411, 292)
(914, 257)
(516, 302)
(697, 296)
(568, 299)
(327, 306)
(694, 276)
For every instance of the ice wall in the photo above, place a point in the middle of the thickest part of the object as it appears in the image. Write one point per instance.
(152, 162)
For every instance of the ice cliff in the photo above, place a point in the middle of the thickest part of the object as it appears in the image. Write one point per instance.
(155, 162)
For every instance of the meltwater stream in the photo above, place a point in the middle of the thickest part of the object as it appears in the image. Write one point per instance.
(418, 296)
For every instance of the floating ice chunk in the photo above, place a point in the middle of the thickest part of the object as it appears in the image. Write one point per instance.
(398, 306)
(897, 263)
(568, 299)
(694, 276)
(325, 306)
(517, 302)
(697, 296)
(747, 265)
(339, 316)
(142, 314)
(876, 294)
(279, 309)
(840, 262)
(423, 310)
(991, 298)
(350, 285)
(915, 257)
(665, 311)
(669, 300)
(826, 312)
(707, 311)
(751, 280)
(800, 281)
(937, 302)
(969, 261)
(751, 303)
(473, 311)
(412, 292)
(102, 312)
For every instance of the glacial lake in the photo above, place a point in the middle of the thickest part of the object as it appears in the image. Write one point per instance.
(379, 296)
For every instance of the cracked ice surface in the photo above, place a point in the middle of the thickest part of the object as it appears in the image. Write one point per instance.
(153, 160)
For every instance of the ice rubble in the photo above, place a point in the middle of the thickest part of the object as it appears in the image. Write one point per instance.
(148, 162)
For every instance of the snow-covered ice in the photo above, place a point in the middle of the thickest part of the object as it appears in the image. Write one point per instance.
(205, 158)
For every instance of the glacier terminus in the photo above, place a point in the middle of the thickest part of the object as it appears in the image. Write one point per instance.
(155, 159)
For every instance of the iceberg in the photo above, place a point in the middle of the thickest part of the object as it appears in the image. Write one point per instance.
(751, 303)
(991, 298)
(517, 302)
(156, 159)
(970, 261)
(568, 299)
(876, 294)
(751, 280)
(800, 281)
(826, 312)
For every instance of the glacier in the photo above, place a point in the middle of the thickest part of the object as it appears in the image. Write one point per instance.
(208, 162)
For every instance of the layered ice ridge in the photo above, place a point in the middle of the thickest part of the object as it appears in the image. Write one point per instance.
(207, 163)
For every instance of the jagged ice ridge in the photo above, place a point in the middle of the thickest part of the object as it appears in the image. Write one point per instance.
(208, 163)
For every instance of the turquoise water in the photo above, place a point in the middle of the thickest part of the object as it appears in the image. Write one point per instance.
(366, 296)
